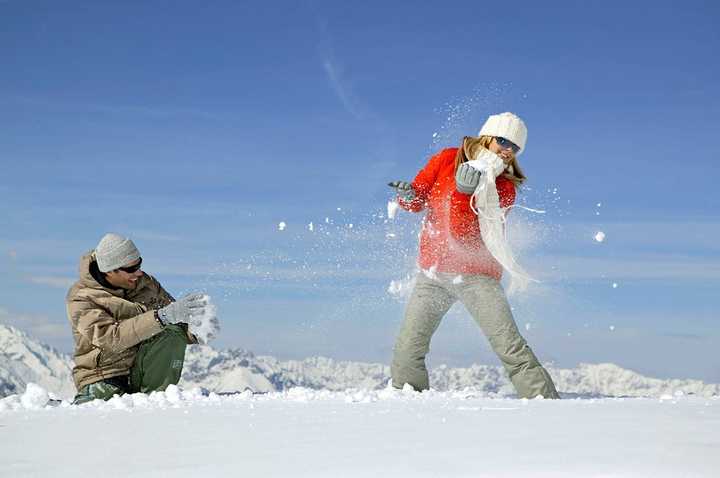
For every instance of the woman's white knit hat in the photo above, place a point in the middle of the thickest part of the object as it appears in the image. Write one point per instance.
(114, 251)
(508, 126)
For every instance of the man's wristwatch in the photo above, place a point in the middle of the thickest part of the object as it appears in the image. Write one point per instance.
(157, 317)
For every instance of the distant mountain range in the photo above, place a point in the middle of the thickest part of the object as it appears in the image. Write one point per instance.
(24, 360)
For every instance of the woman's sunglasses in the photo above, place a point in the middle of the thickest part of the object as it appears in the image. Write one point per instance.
(131, 269)
(506, 143)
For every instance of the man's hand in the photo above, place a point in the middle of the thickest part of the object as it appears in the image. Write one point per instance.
(467, 178)
(197, 312)
(185, 310)
(404, 190)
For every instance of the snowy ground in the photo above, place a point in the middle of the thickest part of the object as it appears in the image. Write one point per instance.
(361, 433)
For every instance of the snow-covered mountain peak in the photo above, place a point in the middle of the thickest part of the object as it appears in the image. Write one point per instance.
(24, 360)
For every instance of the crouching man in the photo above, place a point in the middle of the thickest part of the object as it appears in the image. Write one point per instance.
(130, 334)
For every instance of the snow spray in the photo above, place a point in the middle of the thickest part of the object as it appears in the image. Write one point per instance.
(207, 327)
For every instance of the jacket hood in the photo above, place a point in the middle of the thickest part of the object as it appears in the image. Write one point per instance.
(86, 278)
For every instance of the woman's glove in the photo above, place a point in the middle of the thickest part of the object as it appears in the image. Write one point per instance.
(467, 178)
(404, 190)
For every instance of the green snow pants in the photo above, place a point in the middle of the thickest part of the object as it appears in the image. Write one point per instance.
(485, 299)
(158, 363)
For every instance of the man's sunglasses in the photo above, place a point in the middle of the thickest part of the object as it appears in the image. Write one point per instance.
(131, 269)
(506, 143)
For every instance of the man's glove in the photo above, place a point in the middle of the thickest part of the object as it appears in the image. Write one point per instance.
(185, 310)
(404, 190)
(467, 178)
(197, 312)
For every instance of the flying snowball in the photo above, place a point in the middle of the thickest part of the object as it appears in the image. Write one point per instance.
(600, 236)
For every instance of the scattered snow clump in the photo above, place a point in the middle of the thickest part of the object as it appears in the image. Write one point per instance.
(35, 397)
(392, 208)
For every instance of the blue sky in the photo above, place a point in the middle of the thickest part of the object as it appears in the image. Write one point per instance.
(196, 129)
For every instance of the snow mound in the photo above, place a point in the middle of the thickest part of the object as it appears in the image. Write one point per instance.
(34, 397)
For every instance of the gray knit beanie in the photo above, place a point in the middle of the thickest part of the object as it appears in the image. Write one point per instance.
(114, 251)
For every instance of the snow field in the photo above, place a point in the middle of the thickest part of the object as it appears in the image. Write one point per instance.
(302, 432)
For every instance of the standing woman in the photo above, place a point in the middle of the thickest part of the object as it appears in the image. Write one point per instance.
(455, 263)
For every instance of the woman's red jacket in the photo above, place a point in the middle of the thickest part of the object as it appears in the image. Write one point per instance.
(450, 240)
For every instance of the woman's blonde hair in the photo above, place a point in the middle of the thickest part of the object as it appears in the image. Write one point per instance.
(469, 149)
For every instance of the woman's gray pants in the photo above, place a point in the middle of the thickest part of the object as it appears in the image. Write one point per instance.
(485, 299)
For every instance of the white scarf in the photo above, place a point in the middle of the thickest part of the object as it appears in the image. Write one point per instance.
(485, 202)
